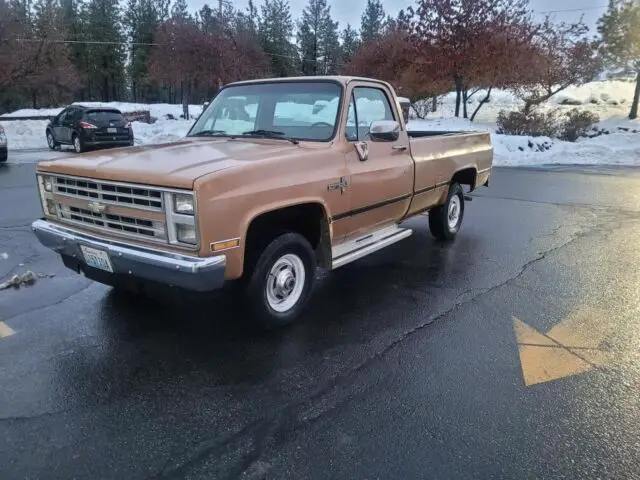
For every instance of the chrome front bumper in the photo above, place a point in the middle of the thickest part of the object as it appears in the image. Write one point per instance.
(191, 273)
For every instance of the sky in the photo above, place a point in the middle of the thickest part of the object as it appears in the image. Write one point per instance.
(349, 11)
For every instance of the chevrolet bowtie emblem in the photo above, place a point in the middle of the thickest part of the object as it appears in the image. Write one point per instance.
(96, 207)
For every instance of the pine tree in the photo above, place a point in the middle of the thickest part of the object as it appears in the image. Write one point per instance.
(106, 57)
(350, 43)
(318, 39)
(275, 28)
(180, 11)
(620, 30)
(141, 21)
(372, 21)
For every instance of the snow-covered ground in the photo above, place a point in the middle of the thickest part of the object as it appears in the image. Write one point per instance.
(610, 100)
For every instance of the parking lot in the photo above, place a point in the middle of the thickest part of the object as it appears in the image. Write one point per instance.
(513, 352)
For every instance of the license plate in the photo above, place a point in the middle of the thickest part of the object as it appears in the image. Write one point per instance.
(112, 130)
(96, 258)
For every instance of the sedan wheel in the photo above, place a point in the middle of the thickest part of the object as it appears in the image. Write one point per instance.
(77, 144)
(51, 141)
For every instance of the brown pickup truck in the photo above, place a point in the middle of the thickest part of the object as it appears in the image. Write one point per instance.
(276, 178)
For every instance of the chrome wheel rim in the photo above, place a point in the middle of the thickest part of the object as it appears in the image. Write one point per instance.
(285, 283)
(76, 144)
(453, 214)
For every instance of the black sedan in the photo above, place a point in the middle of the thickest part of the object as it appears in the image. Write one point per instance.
(86, 127)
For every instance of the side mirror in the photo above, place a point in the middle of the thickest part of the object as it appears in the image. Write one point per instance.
(384, 131)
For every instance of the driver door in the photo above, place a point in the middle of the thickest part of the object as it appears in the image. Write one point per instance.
(381, 182)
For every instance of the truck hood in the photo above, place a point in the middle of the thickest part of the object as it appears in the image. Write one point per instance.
(176, 164)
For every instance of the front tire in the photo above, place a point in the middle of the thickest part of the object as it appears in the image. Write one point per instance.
(280, 284)
(445, 220)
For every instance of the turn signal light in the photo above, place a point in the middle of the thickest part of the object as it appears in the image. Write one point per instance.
(218, 246)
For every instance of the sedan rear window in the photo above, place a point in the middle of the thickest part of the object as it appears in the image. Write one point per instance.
(104, 116)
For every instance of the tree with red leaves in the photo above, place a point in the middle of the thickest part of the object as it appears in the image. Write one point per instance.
(396, 58)
(33, 58)
(560, 56)
(474, 42)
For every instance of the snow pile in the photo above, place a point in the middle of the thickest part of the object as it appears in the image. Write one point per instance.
(162, 131)
(621, 146)
(23, 134)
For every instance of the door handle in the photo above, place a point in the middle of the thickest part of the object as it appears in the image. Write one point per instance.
(399, 147)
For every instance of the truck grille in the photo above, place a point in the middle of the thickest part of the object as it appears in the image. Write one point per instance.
(111, 193)
(136, 221)
(113, 223)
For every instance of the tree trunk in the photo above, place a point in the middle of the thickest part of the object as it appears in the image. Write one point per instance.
(481, 103)
(434, 104)
(458, 82)
(636, 96)
(465, 97)
(34, 98)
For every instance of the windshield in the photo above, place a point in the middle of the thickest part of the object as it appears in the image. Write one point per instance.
(296, 110)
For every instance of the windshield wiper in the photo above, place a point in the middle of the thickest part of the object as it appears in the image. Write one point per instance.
(269, 134)
(211, 133)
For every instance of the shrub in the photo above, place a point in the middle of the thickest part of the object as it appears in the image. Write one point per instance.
(533, 123)
(577, 124)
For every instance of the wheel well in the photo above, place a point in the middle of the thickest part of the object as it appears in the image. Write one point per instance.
(308, 219)
(468, 176)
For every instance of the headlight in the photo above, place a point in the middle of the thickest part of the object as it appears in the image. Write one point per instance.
(186, 234)
(45, 188)
(183, 204)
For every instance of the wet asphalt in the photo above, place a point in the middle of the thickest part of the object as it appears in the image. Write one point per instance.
(405, 365)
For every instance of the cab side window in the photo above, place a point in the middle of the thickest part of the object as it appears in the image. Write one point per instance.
(367, 105)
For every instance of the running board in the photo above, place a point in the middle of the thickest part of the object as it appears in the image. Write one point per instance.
(361, 247)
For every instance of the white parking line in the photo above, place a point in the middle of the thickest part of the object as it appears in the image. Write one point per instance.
(5, 330)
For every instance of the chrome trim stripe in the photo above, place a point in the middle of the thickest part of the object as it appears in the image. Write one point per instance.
(484, 170)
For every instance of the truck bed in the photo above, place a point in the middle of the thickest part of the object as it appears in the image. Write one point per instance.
(438, 155)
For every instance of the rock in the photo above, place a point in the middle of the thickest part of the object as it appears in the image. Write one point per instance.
(12, 282)
(28, 278)
(530, 144)
(521, 149)
(624, 129)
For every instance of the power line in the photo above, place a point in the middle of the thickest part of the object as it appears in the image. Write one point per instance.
(584, 9)
(101, 42)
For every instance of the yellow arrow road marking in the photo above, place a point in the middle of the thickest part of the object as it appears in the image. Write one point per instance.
(5, 330)
(571, 347)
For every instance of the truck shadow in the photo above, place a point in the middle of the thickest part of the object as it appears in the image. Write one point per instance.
(390, 290)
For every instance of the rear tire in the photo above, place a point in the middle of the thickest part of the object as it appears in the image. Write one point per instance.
(51, 141)
(279, 286)
(445, 220)
(78, 144)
